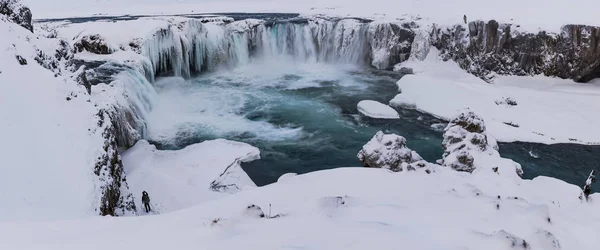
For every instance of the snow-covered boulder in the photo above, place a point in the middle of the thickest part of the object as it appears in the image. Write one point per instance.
(376, 109)
(17, 13)
(387, 151)
(254, 211)
(92, 43)
(463, 134)
(466, 142)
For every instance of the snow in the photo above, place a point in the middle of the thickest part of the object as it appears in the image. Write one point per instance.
(49, 144)
(376, 109)
(183, 178)
(286, 177)
(550, 14)
(548, 110)
(349, 208)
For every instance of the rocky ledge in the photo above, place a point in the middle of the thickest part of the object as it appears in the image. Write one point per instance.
(484, 48)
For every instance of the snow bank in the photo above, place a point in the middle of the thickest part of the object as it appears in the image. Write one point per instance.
(190, 176)
(374, 208)
(50, 136)
(376, 109)
(547, 110)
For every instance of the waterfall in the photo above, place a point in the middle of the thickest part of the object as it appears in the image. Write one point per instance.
(192, 46)
(136, 103)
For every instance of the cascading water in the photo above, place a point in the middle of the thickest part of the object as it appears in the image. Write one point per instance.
(279, 90)
(191, 47)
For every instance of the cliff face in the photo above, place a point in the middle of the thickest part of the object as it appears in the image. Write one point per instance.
(489, 47)
(17, 13)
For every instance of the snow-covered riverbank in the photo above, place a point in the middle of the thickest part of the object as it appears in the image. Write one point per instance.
(516, 108)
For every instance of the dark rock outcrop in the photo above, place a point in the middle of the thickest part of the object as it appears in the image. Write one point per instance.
(17, 13)
(92, 43)
(390, 44)
(490, 47)
(115, 197)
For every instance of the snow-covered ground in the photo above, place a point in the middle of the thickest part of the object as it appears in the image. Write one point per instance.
(351, 208)
(50, 139)
(190, 176)
(532, 109)
(548, 14)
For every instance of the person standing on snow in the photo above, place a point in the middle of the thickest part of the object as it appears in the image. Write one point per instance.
(146, 201)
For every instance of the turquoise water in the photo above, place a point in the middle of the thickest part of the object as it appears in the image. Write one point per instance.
(303, 118)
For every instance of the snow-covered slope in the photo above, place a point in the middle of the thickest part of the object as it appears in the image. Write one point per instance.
(50, 139)
(351, 208)
(196, 174)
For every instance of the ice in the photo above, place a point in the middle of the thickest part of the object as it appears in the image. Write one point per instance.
(376, 109)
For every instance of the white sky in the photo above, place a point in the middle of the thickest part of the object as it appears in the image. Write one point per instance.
(530, 14)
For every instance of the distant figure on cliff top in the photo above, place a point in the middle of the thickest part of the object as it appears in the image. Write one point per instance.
(465, 19)
(146, 201)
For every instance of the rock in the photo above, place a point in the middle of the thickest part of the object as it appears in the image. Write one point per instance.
(255, 211)
(376, 109)
(464, 133)
(17, 13)
(507, 101)
(490, 47)
(390, 44)
(21, 60)
(92, 43)
(468, 120)
(466, 142)
(387, 151)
